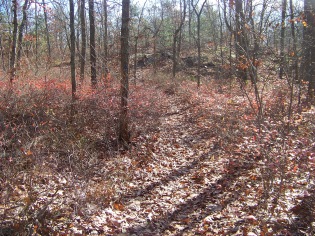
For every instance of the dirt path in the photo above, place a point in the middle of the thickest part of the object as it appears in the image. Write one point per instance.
(178, 186)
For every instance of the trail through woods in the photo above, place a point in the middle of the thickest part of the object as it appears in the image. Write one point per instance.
(198, 172)
(180, 185)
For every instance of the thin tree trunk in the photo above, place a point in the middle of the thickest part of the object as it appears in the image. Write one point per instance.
(198, 14)
(174, 59)
(14, 40)
(105, 59)
(282, 34)
(72, 49)
(309, 47)
(176, 35)
(240, 40)
(155, 35)
(154, 55)
(92, 44)
(221, 33)
(83, 40)
(47, 31)
(21, 29)
(2, 55)
(124, 136)
(136, 42)
(36, 37)
(189, 24)
(295, 63)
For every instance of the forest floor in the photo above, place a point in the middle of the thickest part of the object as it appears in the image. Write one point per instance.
(197, 163)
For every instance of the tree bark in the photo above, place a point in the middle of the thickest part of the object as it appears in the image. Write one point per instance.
(47, 31)
(309, 48)
(198, 14)
(240, 39)
(2, 55)
(176, 38)
(136, 43)
(21, 29)
(92, 44)
(124, 136)
(83, 40)
(282, 34)
(36, 37)
(105, 58)
(13, 45)
(72, 49)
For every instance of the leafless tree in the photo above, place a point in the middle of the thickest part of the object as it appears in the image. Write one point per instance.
(176, 35)
(124, 136)
(198, 14)
(83, 40)
(92, 43)
(21, 29)
(309, 47)
(13, 45)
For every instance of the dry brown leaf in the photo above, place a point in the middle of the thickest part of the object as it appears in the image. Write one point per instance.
(118, 206)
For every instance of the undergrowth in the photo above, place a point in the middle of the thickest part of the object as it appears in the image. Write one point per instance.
(42, 139)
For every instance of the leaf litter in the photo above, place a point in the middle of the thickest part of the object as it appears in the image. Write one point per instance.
(200, 170)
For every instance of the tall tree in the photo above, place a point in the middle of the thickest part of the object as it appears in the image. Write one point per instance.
(294, 49)
(124, 136)
(2, 54)
(36, 36)
(240, 40)
(21, 30)
(136, 41)
(105, 39)
(282, 34)
(83, 40)
(92, 43)
(47, 30)
(14, 40)
(156, 27)
(198, 15)
(309, 47)
(176, 34)
(72, 49)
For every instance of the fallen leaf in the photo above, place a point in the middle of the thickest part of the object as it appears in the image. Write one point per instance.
(118, 206)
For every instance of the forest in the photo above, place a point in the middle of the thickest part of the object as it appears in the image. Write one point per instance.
(157, 117)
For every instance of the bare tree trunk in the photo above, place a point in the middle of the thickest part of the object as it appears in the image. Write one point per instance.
(228, 24)
(174, 59)
(157, 28)
(105, 59)
(189, 23)
(20, 36)
(309, 47)
(176, 38)
(221, 33)
(92, 44)
(240, 38)
(13, 45)
(136, 43)
(72, 49)
(282, 34)
(295, 61)
(198, 14)
(295, 64)
(124, 136)
(47, 31)
(36, 37)
(2, 55)
(83, 40)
